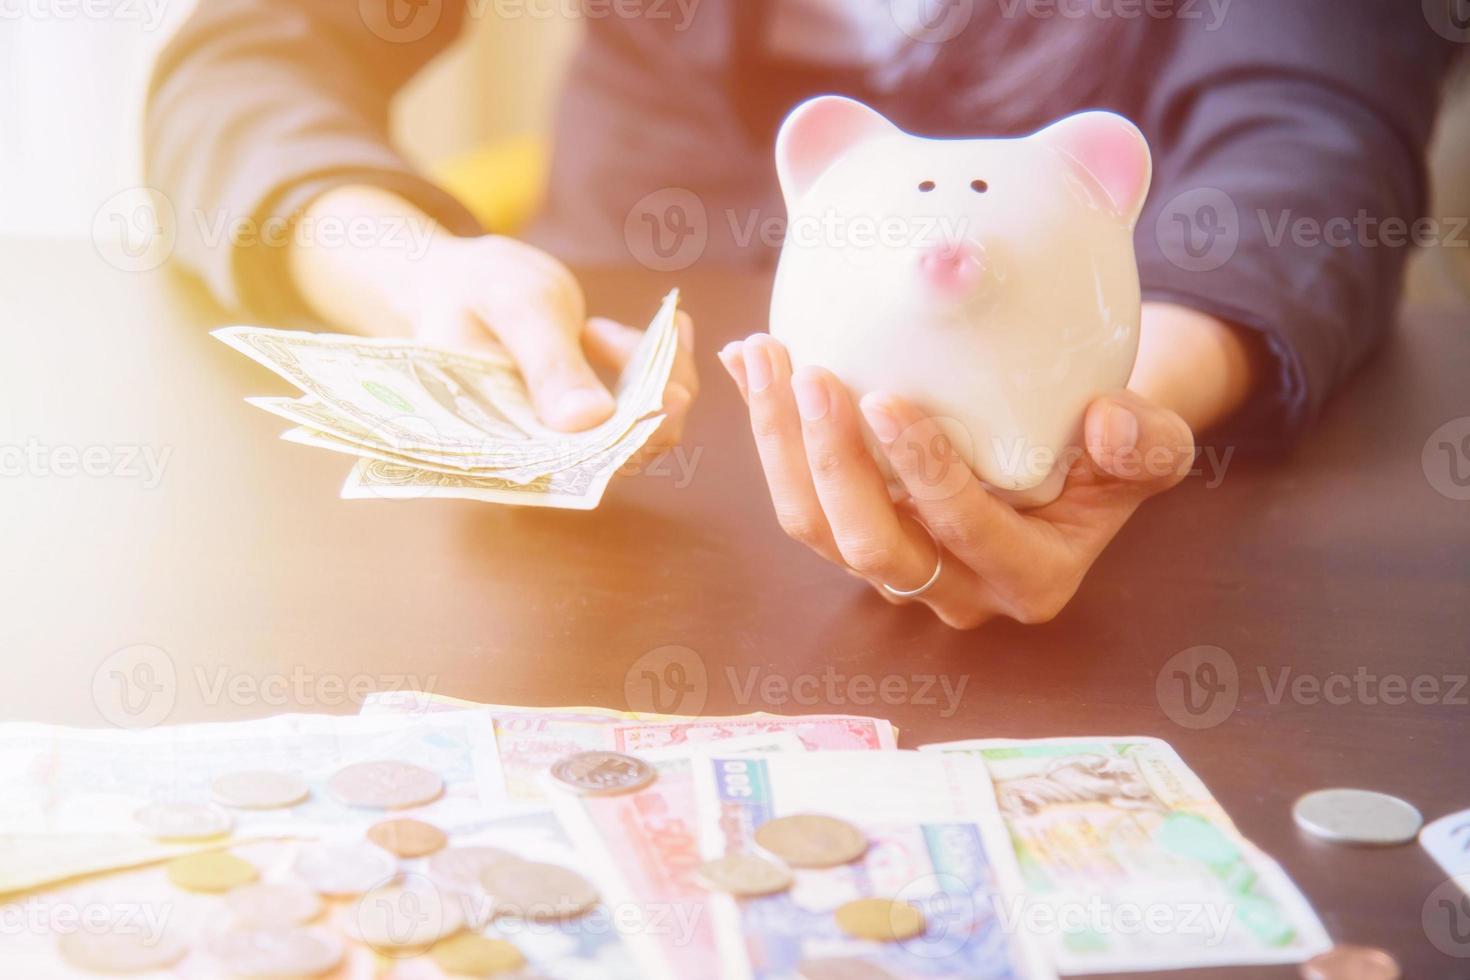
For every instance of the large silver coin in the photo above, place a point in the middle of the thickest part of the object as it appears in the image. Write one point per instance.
(274, 905)
(744, 875)
(259, 789)
(344, 869)
(1357, 816)
(183, 821)
(602, 773)
(458, 868)
(121, 949)
(384, 785)
(405, 916)
(541, 892)
(277, 952)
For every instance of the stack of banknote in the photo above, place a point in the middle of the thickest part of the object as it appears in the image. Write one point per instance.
(428, 837)
(431, 422)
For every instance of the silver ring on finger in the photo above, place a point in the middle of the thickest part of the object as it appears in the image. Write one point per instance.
(933, 578)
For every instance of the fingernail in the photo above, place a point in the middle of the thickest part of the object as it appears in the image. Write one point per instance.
(1120, 430)
(885, 427)
(811, 395)
(758, 370)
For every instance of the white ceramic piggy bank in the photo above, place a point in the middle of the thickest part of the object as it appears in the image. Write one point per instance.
(990, 282)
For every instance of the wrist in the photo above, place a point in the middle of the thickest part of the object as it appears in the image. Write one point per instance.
(358, 258)
(1194, 364)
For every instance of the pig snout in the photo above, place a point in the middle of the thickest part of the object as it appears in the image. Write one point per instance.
(953, 270)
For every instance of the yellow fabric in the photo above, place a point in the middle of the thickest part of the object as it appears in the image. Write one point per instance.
(502, 184)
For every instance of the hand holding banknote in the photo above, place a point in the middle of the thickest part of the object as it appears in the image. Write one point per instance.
(478, 294)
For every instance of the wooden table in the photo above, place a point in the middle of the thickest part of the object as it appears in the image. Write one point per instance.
(267, 593)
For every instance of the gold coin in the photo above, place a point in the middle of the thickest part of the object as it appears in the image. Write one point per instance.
(880, 919)
(810, 840)
(531, 890)
(477, 956)
(1352, 963)
(120, 949)
(210, 871)
(744, 875)
(407, 838)
(259, 789)
(384, 785)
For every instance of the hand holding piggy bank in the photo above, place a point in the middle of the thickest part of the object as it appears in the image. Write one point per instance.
(990, 282)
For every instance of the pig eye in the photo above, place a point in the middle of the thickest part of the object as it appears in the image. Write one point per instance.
(927, 186)
(979, 186)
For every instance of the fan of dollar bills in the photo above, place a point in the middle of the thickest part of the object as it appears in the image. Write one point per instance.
(427, 421)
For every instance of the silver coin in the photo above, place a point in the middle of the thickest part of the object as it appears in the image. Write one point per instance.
(288, 952)
(458, 868)
(259, 789)
(344, 869)
(183, 821)
(602, 773)
(274, 905)
(1357, 816)
(537, 891)
(384, 784)
(406, 915)
(122, 948)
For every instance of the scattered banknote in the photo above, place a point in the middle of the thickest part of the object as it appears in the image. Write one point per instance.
(643, 852)
(76, 800)
(1448, 841)
(425, 421)
(935, 847)
(530, 740)
(1130, 863)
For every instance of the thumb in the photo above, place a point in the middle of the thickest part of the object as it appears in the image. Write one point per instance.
(1136, 442)
(564, 389)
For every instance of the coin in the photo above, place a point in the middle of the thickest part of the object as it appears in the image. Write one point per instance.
(183, 821)
(458, 868)
(274, 905)
(476, 956)
(810, 840)
(602, 773)
(532, 890)
(1357, 816)
(745, 875)
(384, 785)
(1352, 963)
(121, 948)
(881, 919)
(344, 869)
(841, 968)
(407, 915)
(288, 952)
(210, 871)
(259, 789)
(407, 838)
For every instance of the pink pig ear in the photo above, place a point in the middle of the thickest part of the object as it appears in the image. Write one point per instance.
(1113, 151)
(818, 132)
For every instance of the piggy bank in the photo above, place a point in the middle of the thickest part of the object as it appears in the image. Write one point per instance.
(991, 282)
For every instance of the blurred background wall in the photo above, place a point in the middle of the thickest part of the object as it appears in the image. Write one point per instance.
(73, 86)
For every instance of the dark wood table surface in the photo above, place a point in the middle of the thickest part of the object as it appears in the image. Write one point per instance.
(267, 593)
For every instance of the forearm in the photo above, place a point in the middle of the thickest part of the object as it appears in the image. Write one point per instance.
(1193, 364)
